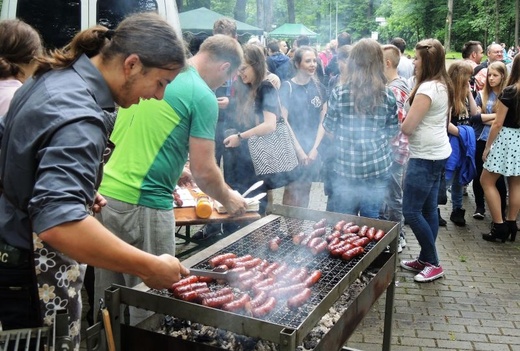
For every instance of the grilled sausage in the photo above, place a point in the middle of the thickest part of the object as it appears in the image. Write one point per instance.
(265, 283)
(216, 293)
(231, 262)
(363, 231)
(265, 308)
(190, 287)
(269, 270)
(248, 264)
(379, 235)
(218, 260)
(340, 250)
(185, 281)
(274, 243)
(322, 223)
(318, 232)
(339, 225)
(346, 227)
(299, 275)
(194, 295)
(219, 301)
(299, 299)
(371, 232)
(361, 242)
(350, 254)
(237, 304)
(290, 290)
(312, 278)
(319, 248)
(335, 234)
(297, 238)
(257, 301)
(352, 229)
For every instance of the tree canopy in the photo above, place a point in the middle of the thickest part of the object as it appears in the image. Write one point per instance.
(484, 20)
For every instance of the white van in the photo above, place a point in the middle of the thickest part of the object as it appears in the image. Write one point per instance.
(58, 20)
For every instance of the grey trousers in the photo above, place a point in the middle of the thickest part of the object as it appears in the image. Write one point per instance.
(147, 229)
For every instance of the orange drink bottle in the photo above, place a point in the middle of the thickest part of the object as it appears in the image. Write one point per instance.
(204, 206)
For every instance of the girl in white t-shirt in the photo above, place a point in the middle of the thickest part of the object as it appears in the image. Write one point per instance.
(426, 127)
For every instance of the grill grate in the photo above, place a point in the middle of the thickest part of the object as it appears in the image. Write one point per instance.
(255, 243)
(25, 339)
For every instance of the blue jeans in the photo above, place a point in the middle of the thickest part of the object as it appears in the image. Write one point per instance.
(362, 197)
(421, 188)
(457, 190)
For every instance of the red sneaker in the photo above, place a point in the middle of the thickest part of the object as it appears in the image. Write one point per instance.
(413, 265)
(429, 273)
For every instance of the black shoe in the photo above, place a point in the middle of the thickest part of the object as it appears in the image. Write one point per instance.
(208, 231)
(513, 228)
(479, 213)
(442, 221)
(457, 217)
(498, 231)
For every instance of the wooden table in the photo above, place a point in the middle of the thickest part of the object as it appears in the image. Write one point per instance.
(186, 217)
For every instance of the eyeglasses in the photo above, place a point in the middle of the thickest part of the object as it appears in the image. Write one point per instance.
(243, 68)
(498, 52)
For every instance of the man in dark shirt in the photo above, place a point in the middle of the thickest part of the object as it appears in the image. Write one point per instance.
(55, 136)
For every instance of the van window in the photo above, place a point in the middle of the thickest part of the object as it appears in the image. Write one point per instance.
(56, 20)
(111, 12)
(59, 20)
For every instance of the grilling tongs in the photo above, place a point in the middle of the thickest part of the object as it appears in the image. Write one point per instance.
(226, 275)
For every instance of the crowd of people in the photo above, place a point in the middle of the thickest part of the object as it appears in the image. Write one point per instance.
(95, 136)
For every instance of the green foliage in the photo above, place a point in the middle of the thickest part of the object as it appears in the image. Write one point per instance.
(412, 20)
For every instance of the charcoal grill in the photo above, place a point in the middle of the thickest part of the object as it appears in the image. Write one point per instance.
(282, 326)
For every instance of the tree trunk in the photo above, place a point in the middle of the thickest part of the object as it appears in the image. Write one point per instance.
(449, 19)
(497, 22)
(517, 15)
(260, 14)
(268, 15)
(240, 10)
(290, 11)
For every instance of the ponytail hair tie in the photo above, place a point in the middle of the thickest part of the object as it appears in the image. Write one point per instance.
(109, 34)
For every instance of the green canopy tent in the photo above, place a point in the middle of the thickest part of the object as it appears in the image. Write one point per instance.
(291, 31)
(200, 22)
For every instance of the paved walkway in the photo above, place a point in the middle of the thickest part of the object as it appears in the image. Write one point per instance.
(476, 306)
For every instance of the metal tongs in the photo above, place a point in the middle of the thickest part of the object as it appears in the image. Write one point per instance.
(225, 275)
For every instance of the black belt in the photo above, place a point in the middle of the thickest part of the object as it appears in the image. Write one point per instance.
(11, 256)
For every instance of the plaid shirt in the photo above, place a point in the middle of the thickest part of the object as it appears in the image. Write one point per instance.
(362, 142)
(400, 149)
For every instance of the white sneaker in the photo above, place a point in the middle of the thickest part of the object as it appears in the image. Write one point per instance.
(402, 242)
(399, 248)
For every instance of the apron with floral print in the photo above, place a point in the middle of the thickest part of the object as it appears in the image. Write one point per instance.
(60, 280)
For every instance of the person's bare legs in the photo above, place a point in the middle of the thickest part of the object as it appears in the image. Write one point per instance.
(488, 181)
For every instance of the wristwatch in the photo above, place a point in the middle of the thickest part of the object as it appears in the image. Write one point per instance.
(239, 136)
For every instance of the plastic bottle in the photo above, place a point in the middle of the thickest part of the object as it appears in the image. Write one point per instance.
(204, 206)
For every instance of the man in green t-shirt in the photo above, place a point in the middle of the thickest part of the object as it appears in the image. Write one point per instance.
(153, 140)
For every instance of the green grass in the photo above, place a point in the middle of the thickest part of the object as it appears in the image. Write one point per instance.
(451, 55)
